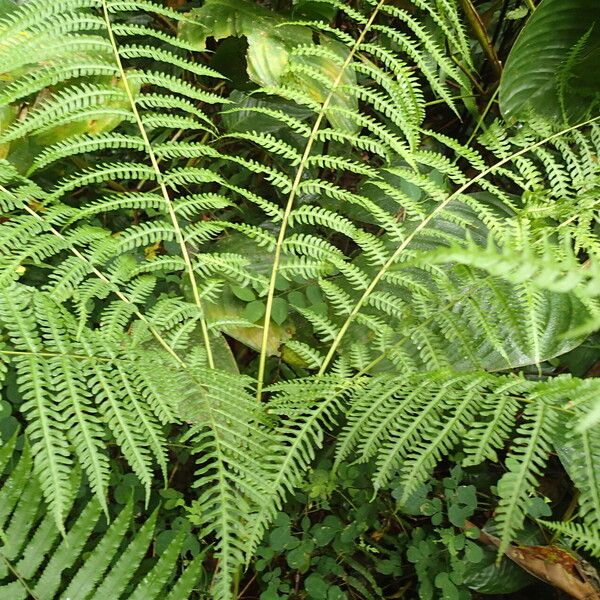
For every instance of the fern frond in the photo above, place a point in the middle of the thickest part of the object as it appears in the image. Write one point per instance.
(577, 535)
(229, 442)
(579, 452)
(525, 464)
(487, 436)
(438, 264)
(437, 443)
(35, 559)
(52, 460)
(73, 399)
(56, 371)
(312, 408)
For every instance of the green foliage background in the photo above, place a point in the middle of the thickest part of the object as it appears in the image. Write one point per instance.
(291, 292)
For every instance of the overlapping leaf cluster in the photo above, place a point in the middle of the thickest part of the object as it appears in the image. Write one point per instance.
(402, 276)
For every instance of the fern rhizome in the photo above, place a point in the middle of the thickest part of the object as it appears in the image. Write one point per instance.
(393, 285)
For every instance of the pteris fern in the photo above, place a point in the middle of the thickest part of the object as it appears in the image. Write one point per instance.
(296, 185)
(577, 535)
(432, 261)
(148, 146)
(34, 557)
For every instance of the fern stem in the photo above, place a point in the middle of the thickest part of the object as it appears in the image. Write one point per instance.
(423, 224)
(568, 514)
(444, 101)
(482, 35)
(163, 188)
(105, 279)
(483, 116)
(292, 196)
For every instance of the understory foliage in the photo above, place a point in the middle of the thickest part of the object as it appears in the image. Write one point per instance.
(37, 556)
(310, 261)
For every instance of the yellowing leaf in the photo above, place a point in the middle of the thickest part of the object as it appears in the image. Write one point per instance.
(7, 115)
(150, 251)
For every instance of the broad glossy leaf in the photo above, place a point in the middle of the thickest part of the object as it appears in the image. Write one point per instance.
(228, 314)
(584, 357)
(313, 9)
(505, 577)
(579, 453)
(552, 70)
(222, 355)
(238, 311)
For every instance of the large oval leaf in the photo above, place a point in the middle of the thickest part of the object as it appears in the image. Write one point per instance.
(552, 69)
